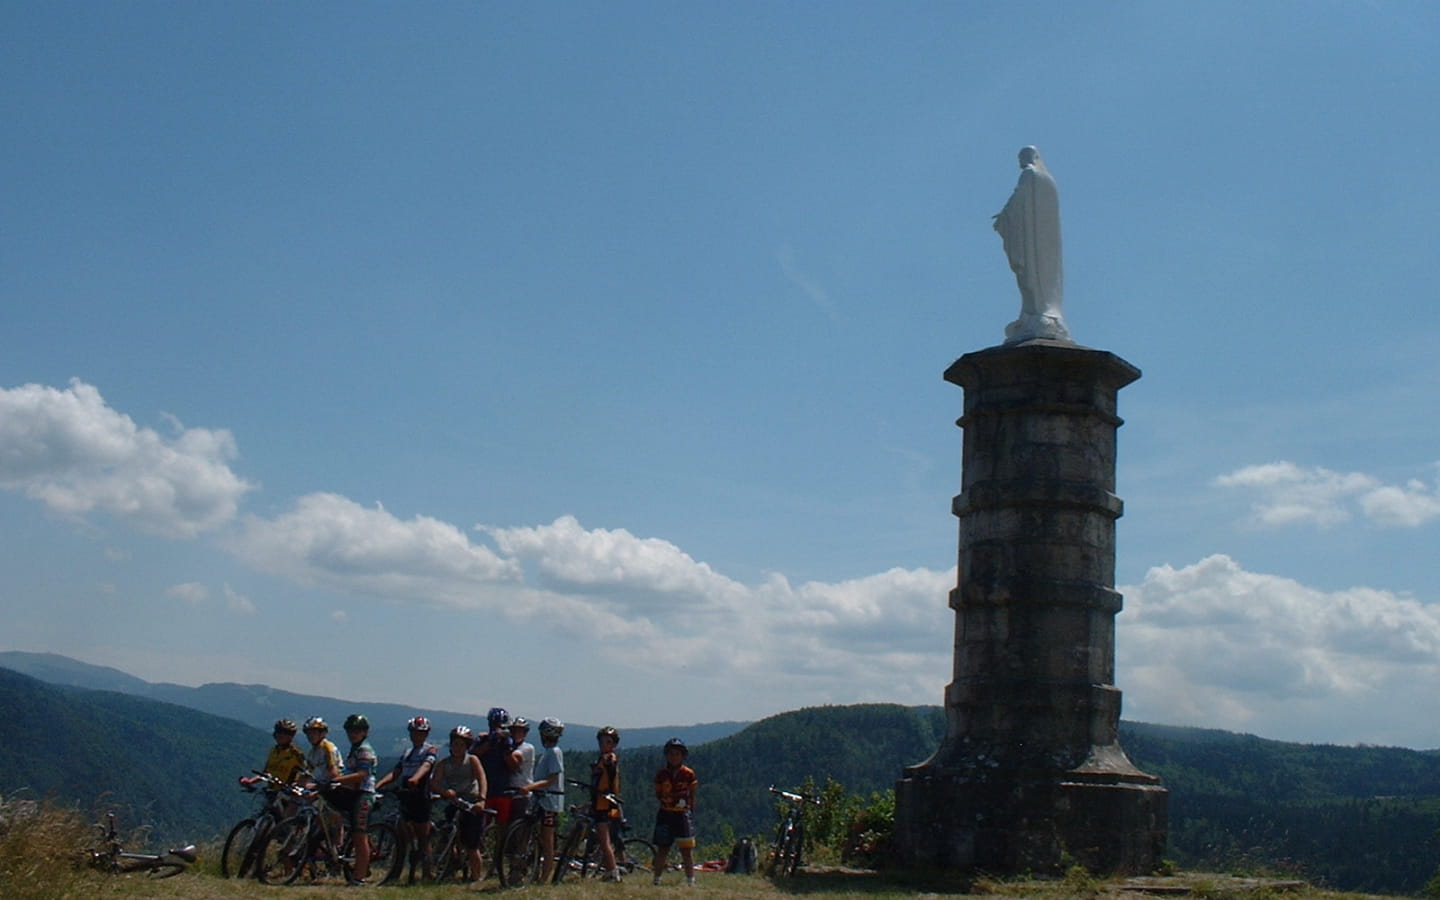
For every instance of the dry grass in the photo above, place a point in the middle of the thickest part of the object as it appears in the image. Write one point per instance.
(41, 848)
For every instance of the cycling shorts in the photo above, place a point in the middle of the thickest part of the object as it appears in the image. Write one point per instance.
(674, 827)
(360, 812)
(502, 806)
(415, 806)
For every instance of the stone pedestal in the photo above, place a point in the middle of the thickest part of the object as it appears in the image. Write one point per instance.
(1030, 776)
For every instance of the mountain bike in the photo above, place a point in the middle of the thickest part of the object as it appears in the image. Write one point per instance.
(447, 858)
(113, 858)
(785, 853)
(520, 857)
(405, 849)
(311, 844)
(579, 856)
(237, 859)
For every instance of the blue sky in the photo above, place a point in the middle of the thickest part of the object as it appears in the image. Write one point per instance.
(585, 358)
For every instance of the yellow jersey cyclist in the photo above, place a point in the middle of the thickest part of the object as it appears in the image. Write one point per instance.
(285, 762)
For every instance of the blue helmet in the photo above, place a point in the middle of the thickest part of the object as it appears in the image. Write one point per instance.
(498, 717)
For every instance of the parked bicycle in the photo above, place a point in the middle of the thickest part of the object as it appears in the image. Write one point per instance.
(313, 845)
(579, 855)
(112, 857)
(237, 859)
(447, 862)
(520, 860)
(789, 847)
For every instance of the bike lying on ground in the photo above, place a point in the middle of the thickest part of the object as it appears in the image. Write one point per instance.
(113, 858)
(579, 854)
(785, 853)
(237, 859)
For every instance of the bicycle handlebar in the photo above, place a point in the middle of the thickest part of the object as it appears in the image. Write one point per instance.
(607, 795)
(794, 797)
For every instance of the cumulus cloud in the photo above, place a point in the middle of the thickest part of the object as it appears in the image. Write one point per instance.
(71, 451)
(1214, 644)
(1290, 494)
(330, 540)
(568, 556)
(644, 602)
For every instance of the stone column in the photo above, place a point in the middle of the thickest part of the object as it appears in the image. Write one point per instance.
(1030, 776)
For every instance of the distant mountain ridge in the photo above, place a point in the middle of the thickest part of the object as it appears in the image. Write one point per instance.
(1350, 818)
(260, 705)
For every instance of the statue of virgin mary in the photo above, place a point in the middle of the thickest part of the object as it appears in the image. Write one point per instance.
(1029, 226)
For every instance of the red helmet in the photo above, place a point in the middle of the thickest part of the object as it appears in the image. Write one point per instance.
(419, 723)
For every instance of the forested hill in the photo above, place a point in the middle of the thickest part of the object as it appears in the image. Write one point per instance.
(862, 747)
(156, 764)
(1352, 818)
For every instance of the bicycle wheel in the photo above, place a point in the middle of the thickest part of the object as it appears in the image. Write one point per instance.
(237, 847)
(794, 845)
(635, 855)
(284, 852)
(570, 862)
(447, 855)
(520, 861)
(386, 856)
(166, 870)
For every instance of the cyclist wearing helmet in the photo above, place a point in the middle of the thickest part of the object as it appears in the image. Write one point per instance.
(285, 761)
(519, 731)
(412, 771)
(550, 781)
(459, 776)
(605, 779)
(359, 776)
(496, 750)
(323, 760)
(675, 785)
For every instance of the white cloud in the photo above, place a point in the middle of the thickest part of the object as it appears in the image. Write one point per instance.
(1213, 644)
(1292, 494)
(237, 602)
(1407, 507)
(192, 592)
(645, 604)
(69, 450)
(331, 541)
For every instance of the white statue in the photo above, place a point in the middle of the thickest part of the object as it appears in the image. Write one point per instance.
(1029, 225)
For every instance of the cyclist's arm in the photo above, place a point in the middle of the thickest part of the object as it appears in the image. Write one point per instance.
(420, 775)
(479, 771)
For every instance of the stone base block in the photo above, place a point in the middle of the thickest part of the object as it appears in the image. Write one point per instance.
(1005, 823)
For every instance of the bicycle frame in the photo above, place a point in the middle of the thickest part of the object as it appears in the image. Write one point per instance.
(789, 846)
(583, 832)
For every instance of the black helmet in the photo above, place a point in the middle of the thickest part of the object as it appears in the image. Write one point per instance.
(355, 720)
(676, 744)
(609, 731)
(286, 726)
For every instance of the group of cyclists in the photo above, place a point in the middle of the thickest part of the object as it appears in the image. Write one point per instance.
(494, 775)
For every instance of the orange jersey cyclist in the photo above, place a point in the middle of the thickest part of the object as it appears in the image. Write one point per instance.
(675, 785)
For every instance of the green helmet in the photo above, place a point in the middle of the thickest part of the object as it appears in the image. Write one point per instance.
(355, 720)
